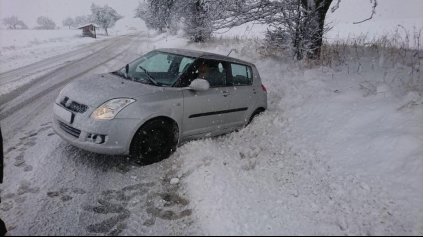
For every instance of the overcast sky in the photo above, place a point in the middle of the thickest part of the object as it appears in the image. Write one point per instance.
(30, 10)
(350, 10)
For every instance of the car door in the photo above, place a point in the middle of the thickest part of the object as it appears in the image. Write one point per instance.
(244, 94)
(206, 111)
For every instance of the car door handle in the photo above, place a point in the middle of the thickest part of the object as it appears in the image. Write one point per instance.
(254, 91)
(225, 93)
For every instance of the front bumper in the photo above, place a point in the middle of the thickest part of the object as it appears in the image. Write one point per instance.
(118, 134)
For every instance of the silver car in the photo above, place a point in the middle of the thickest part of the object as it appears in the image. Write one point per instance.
(166, 97)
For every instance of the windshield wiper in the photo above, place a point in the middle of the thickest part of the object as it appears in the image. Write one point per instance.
(149, 76)
(120, 74)
(129, 77)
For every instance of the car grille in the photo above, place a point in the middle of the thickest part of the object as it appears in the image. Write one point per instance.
(74, 106)
(70, 130)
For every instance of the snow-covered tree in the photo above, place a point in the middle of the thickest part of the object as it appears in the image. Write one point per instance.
(68, 22)
(198, 20)
(145, 12)
(160, 15)
(203, 17)
(13, 22)
(315, 12)
(298, 24)
(81, 20)
(45, 23)
(294, 27)
(197, 16)
(106, 17)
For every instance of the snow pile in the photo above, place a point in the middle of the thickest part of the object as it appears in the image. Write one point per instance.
(332, 155)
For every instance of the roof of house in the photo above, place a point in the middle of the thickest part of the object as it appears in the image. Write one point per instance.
(202, 54)
(80, 27)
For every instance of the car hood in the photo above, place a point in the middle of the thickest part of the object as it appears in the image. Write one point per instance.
(98, 89)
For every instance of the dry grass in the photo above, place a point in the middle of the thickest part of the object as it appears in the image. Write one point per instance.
(398, 56)
(250, 47)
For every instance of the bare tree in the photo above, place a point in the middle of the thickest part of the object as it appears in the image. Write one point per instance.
(13, 22)
(106, 17)
(375, 4)
(68, 22)
(45, 23)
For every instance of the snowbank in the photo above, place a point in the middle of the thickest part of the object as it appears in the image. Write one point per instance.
(329, 157)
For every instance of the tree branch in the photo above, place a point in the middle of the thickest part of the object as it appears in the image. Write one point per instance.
(334, 8)
(373, 13)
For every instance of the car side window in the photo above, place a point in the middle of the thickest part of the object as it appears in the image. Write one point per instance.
(241, 75)
(212, 71)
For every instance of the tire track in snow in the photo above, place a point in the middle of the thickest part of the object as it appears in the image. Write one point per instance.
(92, 47)
(29, 101)
(12, 95)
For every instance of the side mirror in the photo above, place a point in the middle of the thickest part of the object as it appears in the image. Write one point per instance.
(199, 85)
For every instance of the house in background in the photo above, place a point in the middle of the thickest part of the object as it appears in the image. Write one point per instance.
(89, 30)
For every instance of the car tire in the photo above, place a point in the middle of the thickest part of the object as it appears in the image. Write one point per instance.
(255, 114)
(154, 141)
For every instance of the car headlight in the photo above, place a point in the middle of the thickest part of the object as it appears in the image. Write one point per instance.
(110, 109)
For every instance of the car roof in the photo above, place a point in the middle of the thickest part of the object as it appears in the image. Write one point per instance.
(203, 54)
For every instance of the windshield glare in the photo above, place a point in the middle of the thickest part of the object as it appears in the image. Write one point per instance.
(163, 68)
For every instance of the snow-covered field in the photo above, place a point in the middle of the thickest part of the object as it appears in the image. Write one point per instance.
(339, 152)
(19, 48)
(10, 39)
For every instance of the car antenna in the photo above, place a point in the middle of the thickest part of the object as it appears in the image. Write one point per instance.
(230, 52)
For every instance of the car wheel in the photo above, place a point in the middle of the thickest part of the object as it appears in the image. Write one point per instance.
(154, 141)
(255, 114)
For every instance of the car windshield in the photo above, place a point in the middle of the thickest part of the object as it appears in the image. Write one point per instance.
(157, 68)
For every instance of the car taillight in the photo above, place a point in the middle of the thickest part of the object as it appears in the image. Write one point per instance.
(264, 88)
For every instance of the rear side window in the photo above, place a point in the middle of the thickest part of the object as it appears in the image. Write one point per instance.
(241, 75)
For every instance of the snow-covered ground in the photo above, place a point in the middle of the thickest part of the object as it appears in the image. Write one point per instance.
(10, 39)
(92, 194)
(340, 151)
(19, 48)
(329, 157)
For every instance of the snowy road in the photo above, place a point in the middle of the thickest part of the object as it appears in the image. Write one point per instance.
(52, 188)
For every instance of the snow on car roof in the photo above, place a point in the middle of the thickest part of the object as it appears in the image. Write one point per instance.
(198, 54)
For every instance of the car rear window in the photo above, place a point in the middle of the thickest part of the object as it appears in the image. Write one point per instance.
(241, 75)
